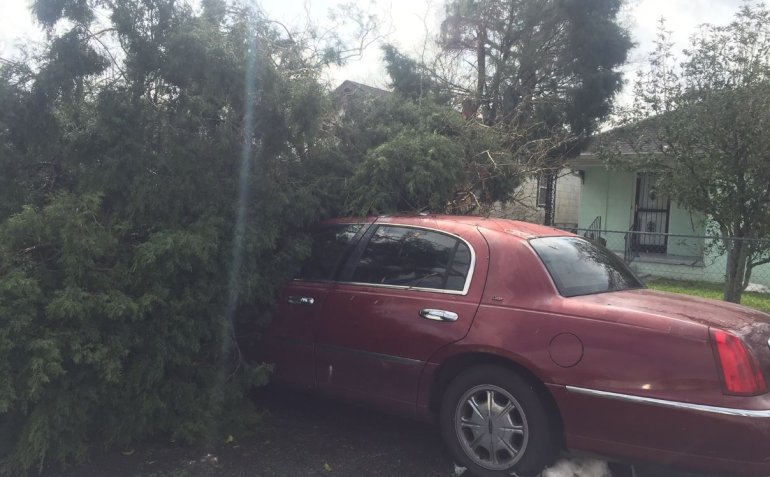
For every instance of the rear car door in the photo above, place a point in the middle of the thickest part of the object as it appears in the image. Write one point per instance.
(291, 334)
(406, 292)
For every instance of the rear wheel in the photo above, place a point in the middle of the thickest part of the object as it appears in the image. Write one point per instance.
(495, 423)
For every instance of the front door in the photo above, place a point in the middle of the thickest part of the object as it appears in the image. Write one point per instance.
(651, 211)
(407, 293)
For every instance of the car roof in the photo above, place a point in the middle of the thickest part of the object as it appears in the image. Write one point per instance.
(524, 230)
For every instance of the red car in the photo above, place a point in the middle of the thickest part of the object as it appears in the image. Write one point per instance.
(523, 341)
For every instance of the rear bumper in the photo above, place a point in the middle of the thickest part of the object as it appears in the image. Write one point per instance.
(689, 436)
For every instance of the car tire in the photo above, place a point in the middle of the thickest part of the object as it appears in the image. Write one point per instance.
(495, 423)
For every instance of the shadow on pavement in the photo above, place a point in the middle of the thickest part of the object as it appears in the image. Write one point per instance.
(305, 435)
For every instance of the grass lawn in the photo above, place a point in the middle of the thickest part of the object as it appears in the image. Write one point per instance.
(758, 301)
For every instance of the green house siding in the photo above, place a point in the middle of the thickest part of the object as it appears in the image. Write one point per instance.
(683, 222)
(611, 195)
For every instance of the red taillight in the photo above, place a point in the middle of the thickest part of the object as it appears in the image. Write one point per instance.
(740, 370)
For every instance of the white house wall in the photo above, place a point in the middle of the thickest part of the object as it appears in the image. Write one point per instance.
(524, 205)
(567, 198)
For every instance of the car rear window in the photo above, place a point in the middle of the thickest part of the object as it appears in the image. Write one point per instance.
(579, 267)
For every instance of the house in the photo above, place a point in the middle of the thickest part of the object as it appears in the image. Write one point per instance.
(353, 91)
(528, 201)
(625, 210)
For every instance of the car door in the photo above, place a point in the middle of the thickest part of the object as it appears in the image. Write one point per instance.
(291, 335)
(405, 293)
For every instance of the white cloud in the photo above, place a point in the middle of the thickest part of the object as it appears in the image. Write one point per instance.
(682, 17)
(402, 23)
(405, 23)
(16, 26)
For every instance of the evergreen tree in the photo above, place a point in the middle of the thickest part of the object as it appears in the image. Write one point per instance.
(152, 186)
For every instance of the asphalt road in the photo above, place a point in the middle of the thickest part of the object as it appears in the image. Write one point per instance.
(304, 435)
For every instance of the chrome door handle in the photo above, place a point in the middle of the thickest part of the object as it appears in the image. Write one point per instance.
(438, 315)
(301, 300)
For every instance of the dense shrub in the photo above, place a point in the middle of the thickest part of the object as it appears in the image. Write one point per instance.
(147, 205)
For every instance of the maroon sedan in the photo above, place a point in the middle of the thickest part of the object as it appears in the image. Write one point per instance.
(523, 341)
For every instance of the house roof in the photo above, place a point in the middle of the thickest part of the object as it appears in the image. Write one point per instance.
(633, 139)
(351, 88)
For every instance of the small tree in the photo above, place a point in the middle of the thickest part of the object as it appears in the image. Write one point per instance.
(709, 116)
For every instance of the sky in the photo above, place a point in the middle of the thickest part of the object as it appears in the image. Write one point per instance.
(405, 23)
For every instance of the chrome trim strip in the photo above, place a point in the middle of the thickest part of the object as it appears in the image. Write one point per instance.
(403, 287)
(727, 411)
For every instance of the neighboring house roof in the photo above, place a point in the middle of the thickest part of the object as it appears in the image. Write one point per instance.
(351, 88)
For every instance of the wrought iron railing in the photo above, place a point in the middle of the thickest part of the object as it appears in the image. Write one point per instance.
(594, 231)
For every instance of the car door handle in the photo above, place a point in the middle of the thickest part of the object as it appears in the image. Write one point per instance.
(301, 300)
(438, 315)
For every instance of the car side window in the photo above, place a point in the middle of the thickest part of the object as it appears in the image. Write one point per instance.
(330, 246)
(414, 257)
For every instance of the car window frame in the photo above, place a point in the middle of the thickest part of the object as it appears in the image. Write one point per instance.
(347, 270)
(340, 266)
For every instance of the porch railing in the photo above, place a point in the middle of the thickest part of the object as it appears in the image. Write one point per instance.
(594, 231)
(686, 257)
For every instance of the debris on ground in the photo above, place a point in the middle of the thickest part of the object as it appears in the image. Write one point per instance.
(578, 468)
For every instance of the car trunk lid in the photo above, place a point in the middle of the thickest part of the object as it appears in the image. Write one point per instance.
(713, 313)
(752, 326)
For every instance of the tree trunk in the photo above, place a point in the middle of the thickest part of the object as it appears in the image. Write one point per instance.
(481, 65)
(737, 255)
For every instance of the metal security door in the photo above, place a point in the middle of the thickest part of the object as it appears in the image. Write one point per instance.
(651, 212)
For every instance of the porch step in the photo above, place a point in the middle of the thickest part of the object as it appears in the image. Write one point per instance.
(665, 259)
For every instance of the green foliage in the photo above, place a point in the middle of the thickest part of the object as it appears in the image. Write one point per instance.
(120, 294)
(408, 172)
(410, 79)
(543, 63)
(49, 12)
(595, 46)
(708, 118)
(392, 154)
